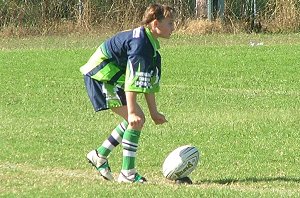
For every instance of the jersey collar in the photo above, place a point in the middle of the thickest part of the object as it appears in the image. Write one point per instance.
(153, 41)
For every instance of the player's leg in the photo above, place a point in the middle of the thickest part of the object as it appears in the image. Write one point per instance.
(113, 140)
(115, 99)
(130, 146)
(105, 96)
(96, 93)
(99, 156)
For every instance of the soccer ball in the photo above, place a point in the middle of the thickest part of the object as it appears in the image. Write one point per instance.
(181, 162)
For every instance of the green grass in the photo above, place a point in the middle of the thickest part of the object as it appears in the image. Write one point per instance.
(238, 104)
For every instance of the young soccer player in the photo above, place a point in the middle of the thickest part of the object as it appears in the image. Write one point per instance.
(122, 67)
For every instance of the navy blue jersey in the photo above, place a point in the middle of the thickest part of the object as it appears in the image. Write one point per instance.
(129, 59)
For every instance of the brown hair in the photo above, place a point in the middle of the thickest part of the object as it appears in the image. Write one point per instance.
(157, 11)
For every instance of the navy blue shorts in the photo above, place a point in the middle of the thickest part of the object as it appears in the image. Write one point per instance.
(104, 95)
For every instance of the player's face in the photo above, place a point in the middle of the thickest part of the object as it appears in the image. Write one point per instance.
(164, 28)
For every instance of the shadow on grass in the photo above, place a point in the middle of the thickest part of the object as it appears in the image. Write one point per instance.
(248, 180)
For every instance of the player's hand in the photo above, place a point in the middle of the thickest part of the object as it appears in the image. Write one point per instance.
(158, 118)
(135, 121)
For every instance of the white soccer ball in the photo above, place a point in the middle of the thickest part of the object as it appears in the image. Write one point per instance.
(181, 162)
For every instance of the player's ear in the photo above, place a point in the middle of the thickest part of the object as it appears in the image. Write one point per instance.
(154, 23)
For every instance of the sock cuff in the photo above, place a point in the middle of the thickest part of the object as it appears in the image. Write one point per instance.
(133, 131)
(125, 123)
(131, 135)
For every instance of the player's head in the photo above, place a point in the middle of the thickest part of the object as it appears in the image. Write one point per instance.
(160, 20)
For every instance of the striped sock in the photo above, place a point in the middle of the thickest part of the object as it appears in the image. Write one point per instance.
(113, 140)
(130, 145)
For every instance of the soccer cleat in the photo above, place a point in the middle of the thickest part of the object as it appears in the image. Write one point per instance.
(134, 178)
(101, 164)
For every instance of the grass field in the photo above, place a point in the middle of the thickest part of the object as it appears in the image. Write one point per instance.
(239, 104)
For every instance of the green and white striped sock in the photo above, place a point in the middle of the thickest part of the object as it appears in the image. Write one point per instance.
(113, 140)
(130, 146)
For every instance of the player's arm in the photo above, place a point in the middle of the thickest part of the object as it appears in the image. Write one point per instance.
(157, 117)
(135, 114)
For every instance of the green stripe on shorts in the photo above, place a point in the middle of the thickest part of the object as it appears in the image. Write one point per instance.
(106, 73)
(112, 98)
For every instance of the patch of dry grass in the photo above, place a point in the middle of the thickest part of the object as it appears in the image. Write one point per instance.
(195, 27)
